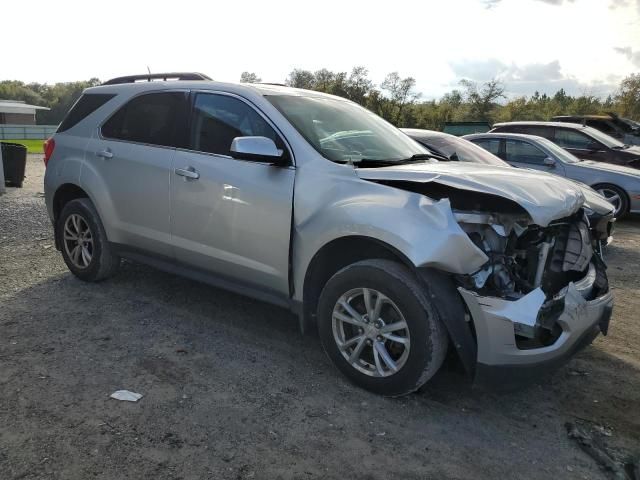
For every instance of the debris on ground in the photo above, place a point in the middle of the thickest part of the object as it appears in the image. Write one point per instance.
(626, 469)
(126, 396)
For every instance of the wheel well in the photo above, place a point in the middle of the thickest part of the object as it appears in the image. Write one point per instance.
(334, 256)
(64, 195)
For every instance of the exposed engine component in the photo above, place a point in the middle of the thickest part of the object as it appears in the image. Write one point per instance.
(526, 260)
(524, 257)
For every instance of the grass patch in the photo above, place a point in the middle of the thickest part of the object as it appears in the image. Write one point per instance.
(33, 146)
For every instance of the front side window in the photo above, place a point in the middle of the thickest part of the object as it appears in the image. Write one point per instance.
(602, 138)
(342, 131)
(603, 126)
(153, 118)
(572, 139)
(523, 152)
(218, 119)
(558, 152)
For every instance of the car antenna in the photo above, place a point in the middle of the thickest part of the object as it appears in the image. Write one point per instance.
(149, 70)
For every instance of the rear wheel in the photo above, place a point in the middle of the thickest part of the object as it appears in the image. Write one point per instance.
(380, 329)
(616, 196)
(83, 242)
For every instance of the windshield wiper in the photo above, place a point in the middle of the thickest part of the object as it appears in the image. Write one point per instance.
(622, 147)
(372, 162)
(419, 157)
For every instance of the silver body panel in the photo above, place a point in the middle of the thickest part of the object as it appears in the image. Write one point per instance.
(261, 225)
(588, 172)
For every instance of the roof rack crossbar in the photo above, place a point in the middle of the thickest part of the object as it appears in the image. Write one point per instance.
(157, 76)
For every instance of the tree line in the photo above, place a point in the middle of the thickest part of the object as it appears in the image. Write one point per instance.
(395, 98)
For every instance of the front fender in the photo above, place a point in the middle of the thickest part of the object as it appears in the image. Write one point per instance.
(423, 230)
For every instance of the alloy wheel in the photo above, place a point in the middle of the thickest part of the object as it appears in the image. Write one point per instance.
(613, 198)
(78, 241)
(371, 333)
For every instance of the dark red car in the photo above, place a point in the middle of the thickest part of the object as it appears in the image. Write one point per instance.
(584, 142)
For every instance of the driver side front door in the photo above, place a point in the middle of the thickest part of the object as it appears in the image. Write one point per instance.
(523, 154)
(231, 217)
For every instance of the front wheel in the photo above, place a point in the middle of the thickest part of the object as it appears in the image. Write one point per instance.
(616, 196)
(380, 329)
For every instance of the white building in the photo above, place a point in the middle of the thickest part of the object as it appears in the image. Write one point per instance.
(15, 112)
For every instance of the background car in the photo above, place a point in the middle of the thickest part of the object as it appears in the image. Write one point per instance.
(610, 124)
(456, 148)
(584, 142)
(619, 185)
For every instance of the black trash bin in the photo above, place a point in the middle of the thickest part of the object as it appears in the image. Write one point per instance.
(14, 162)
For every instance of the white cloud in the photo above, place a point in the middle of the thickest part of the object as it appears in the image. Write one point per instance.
(632, 55)
(528, 78)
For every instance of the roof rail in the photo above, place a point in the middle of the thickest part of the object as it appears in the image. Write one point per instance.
(272, 83)
(157, 76)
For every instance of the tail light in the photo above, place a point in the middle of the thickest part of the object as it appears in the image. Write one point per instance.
(49, 145)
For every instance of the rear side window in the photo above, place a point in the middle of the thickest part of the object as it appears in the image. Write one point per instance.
(538, 131)
(218, 119)
(85, 106)
(153, 118)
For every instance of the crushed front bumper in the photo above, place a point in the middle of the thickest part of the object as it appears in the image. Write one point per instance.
(501, 364)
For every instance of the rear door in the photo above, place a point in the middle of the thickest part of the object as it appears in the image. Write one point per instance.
(131, 154)
(523, 154)
(228, 216)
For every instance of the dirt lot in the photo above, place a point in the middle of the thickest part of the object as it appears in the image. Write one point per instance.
(232, 390)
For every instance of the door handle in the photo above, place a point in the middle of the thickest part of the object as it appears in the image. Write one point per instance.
(104, 154)
(188, 172)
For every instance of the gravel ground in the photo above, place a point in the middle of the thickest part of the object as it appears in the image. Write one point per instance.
(232, 390)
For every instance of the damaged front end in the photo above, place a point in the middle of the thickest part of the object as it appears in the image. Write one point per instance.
(541, 296)
(540, 291)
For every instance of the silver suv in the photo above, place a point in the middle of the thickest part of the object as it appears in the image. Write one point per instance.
(311, 202)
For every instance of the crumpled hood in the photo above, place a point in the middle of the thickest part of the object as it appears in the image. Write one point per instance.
(545, 197)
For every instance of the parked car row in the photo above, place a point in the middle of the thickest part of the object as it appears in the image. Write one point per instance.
(586, 143)
(311, 202)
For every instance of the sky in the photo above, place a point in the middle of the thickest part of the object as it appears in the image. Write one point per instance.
(583, 46)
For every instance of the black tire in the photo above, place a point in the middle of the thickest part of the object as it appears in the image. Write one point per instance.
(624, 199)
(104, 262)
(428, 337)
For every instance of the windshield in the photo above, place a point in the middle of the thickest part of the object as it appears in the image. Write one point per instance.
(603, 138)
(463, 150)
(560, 153)
(343, 131)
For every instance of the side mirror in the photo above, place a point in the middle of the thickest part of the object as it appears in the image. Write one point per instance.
(256, 149)
(549, 162)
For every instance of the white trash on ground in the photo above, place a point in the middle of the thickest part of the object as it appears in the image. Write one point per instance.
(126, 396)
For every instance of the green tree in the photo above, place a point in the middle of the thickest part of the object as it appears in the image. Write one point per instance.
(401, 92)
(628, 97)
(299, 78)
(249, 77)
(482, 101)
